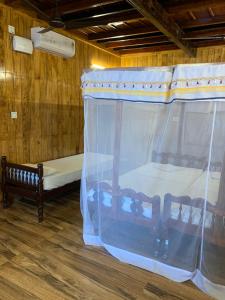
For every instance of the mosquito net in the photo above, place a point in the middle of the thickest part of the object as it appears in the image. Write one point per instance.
(153, 183)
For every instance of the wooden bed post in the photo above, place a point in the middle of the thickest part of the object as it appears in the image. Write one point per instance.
(40, 200)
(181, 130)
(116, 155)
(221, 195)
(5, 202)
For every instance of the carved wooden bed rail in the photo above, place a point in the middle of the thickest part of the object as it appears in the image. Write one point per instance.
(28, 182)
(125, 205)
(214, 218)
(22, 175)
(183, 214)
(22, 180)
(178, 213)
(141, 209)
(185, 160)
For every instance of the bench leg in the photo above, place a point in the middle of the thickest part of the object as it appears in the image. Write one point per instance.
(165, 241)
(40, 210)
(40, 214)
(5, 202)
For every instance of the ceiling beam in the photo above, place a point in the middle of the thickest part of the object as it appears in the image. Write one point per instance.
(208, 43)
(132, 32)
(103, 19)
(157, 15)
(136, 42)
(121, 33)
(193, 5)
(148, 49)
(33, 5)
(79, 5)
(9, 2)
(135, 32)
(206, 32)
(16, 4)
(202, 22)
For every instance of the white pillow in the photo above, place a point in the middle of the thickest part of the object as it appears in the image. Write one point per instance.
(47, 170)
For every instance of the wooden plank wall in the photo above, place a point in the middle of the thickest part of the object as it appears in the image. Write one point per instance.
(166, 58)
(45, 91)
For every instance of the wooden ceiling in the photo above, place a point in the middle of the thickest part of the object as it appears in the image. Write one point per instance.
(135, 26)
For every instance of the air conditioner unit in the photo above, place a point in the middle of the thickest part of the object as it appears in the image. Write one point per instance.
(53, 42)
(22, 44)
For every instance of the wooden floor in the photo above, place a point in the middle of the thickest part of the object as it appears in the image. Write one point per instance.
(49, 261)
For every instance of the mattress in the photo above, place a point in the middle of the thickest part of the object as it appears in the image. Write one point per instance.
(159, 179)
(68, 169)
(62, 171)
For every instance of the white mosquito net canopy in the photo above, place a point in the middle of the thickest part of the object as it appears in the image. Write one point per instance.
(153, 183)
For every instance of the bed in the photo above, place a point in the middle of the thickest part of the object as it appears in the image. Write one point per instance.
(41, 181)
(173, 199)
(48, 179)
(165, 129)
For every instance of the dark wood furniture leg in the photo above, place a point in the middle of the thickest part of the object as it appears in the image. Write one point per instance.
(40, 201)
(5, 201)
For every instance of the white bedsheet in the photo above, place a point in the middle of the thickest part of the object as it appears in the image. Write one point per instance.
(178, 181)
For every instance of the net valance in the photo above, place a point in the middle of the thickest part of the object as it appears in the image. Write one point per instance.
(162, 84)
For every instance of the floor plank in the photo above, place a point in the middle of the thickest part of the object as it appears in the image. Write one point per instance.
(49, 261)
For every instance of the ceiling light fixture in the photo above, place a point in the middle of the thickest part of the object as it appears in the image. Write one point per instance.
(116, 23)
(95, 66)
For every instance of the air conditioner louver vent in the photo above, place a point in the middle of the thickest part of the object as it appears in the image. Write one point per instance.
(53, 42)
